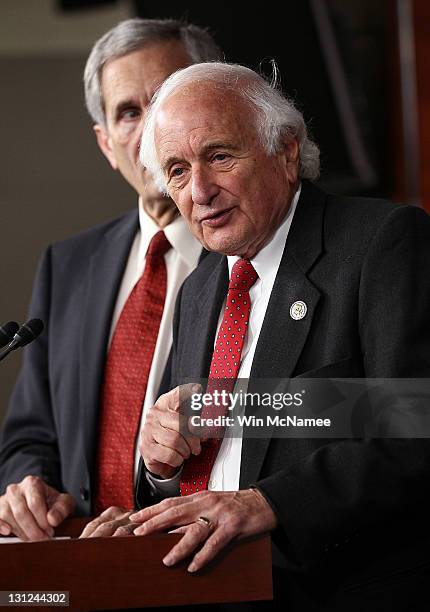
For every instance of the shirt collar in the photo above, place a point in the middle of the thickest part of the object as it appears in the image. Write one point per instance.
(177, 233)
(266, 262)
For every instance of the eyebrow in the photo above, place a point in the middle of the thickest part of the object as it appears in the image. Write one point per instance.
(124, 105)
(221, 144)
(170, 161)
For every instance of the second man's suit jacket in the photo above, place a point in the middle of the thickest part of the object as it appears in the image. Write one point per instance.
(51, 426)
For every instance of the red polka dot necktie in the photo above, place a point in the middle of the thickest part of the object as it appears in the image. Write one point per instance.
(126, 377)
(224, 365)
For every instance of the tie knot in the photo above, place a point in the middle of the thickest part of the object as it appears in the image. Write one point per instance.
(243, 275)
(159, 245)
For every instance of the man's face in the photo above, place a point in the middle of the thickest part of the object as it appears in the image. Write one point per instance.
(128, 84)
(232, 193)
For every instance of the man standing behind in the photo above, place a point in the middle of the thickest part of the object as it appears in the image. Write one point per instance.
(107, 299)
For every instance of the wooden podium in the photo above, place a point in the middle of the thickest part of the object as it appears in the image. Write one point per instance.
(127, 572)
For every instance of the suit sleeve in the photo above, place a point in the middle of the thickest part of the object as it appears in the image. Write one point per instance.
(29, 439)
(345, 490)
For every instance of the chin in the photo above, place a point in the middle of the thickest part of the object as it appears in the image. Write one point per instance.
(223, 248)
(226, 243)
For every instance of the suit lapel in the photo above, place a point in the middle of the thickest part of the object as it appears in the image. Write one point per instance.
(207, 304)
(282, 338)
(105, 271)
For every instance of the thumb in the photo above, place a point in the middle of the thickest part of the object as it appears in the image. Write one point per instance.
(61, 506)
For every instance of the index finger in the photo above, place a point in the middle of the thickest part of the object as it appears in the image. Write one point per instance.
(174, 399)
(60, 509)
(150, 511)
(171, 413)
(191, 434)
(108, 515)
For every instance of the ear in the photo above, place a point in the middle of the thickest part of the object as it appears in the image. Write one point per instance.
(104, 142)
(291, 152)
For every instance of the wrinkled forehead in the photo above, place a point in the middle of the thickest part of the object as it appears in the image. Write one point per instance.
(141, 71)
(205, 104)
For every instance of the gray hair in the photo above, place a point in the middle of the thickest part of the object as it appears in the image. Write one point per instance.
(276, 117)
(133, 34)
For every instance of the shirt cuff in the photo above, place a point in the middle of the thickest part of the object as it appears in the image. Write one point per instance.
(165, 487)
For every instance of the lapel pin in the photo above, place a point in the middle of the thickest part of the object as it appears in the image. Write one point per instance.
(298, 311)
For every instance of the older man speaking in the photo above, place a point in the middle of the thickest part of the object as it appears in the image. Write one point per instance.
(320, 286)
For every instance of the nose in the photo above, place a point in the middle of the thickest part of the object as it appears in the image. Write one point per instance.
(203, 186)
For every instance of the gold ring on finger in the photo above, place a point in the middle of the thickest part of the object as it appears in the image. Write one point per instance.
(205, 521)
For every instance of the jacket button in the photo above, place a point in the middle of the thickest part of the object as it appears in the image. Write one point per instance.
(85, 494)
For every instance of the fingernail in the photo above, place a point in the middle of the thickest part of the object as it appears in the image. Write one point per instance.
(139, 530)
(168, 560)
(4, 530)
(192, 567)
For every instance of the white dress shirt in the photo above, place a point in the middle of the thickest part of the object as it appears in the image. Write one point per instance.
(225, 473)
(180, 260)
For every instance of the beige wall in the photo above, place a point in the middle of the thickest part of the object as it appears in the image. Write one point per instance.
(53, 179)
(37, 26)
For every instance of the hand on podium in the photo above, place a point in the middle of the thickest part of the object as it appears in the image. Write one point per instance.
(209, 520)
(112, 522)
(31, 509)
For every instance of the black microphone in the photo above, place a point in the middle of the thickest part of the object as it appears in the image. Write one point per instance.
(25, 334)
(7, 332)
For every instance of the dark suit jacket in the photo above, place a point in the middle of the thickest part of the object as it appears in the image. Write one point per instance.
(51, 424)
(362, 267)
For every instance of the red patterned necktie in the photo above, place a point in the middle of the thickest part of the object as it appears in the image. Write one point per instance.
(224, 365)
(126, 377)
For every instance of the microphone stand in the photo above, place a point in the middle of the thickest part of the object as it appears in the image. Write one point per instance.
(9, 348)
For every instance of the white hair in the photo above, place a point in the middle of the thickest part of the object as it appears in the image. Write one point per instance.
(276, 117)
